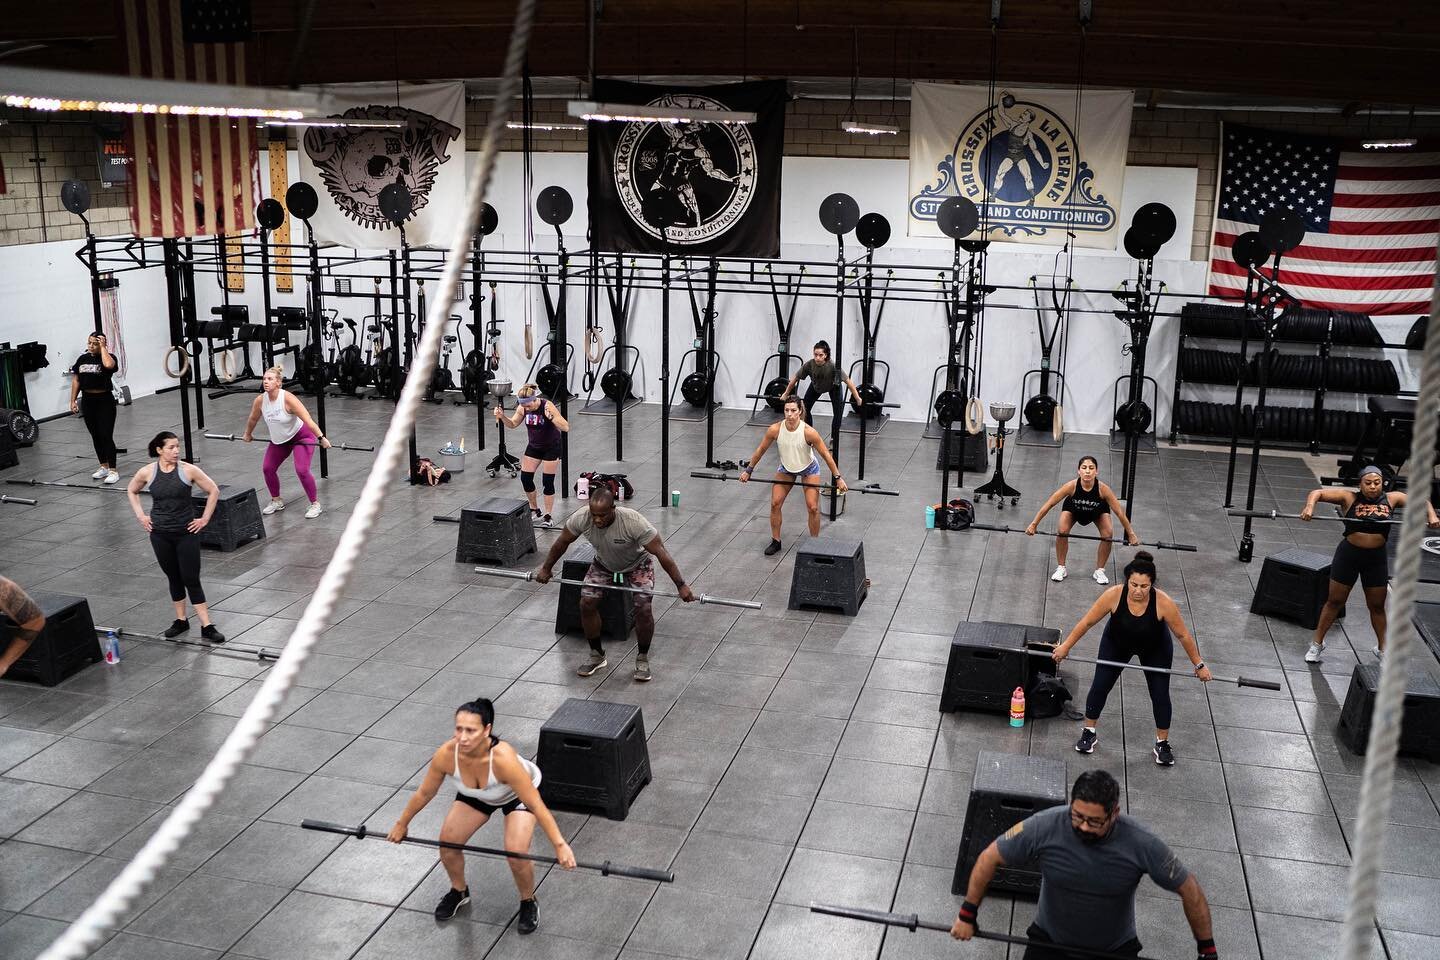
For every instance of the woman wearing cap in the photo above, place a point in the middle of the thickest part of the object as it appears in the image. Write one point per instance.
(544, 425)
(1360, 554)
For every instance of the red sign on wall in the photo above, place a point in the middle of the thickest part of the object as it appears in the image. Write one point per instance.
(114, 156)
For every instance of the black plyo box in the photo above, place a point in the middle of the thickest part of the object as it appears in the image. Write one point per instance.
(1419, 727)
(593, 756)
(67, 644)
(1293, 586)
(617, 607)
(988, 660)
(1007, 788)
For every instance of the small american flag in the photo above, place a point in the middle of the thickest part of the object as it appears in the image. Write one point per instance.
(192, 176)
(1371, 219)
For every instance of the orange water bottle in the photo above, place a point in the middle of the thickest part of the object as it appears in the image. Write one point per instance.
(1017, 707)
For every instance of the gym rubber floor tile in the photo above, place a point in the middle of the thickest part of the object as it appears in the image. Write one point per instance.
(406, 934)
(1160, 923)
(341, 712)
(234, 705)
(670, 803)
(372, 760)
(1191, 780)
(1410, 850)
(879, 784)
(831, 668)
(692, 925)
(1297, 938)
(947, 792)
(1410, 802)
(796, 732)
(730, 866)
(545, 946)
(887, 674)
(1256, 713)
(30, 870)
(676, 759)
(1292, 836)
(1407, 904)
(767, 770)
(152, 774)
(751, 659)
(1208, 826)
(494, 900)
(301, 749)
(1295, 790)
(77, 892)
(418, 723)
(1287, 751)
(208, 911)
(24, 936)
(25, 801)
(121, 680)
(273, 853)
(815, 699)
(1297, 888)
(900, 707)
(758, 816)
(794, 933)
(376, 678)
(645, 844)
(708, 722)
(57, 712)
(211, 833)
(886, 743)
(711, 685)
(492, 659)
(202, 734)
(816, 875)
(129, 946)
(252, 790)
(306, 925)
(87, 821)
(372, 870)
(857, 829)
(257, 601)
(581, 905)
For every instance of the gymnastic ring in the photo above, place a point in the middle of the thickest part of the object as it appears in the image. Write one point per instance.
(184, 363)
(974, 416)
(224, 366)
(1057, 432)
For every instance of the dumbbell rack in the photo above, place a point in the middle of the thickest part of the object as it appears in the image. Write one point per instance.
(1312, 426)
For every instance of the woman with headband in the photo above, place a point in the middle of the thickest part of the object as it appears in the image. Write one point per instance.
(1361, 553)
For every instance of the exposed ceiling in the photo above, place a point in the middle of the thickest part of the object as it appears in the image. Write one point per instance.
(1332, 51)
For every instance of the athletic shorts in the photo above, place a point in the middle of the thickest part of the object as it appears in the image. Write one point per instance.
(1083, 517)
(641, 578)
(543, 453)
(489, 808)
(1369, 565)
(810, 471)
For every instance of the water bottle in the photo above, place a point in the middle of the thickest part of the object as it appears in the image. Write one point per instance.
(582, 488)
(929, 518)
(1017, 707)
(110, 647)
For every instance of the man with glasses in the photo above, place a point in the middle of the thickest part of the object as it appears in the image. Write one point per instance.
(1091, 860)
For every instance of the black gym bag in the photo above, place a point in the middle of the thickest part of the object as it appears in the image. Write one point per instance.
(1047, 698)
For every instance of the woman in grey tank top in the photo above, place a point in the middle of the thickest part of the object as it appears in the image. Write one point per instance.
(174, 529)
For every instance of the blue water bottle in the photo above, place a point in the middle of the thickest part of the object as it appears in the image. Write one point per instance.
(110, 647)
(929, 518)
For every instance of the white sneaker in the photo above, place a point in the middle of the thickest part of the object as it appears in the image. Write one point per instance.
(112, 477)
(100, 474)
(273, 506)
(1315, 653)
(314, 511)
(1379, 654)
(1099, 577)
(1060, 573)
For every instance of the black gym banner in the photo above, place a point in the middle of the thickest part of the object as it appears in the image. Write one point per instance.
(688, 187)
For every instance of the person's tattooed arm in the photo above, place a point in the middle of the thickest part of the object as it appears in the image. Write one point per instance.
(17, 605)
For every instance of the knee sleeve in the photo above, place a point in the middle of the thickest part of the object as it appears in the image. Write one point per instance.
(547, 481)
(527, 480)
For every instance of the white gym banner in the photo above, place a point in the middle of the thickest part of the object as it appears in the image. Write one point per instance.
(348, 166)
(1032, 168)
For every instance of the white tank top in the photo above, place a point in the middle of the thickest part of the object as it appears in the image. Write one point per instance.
(795, 454)
(494, 792)
(282, 423)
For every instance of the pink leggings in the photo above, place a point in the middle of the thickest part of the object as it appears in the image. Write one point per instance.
(303, 446)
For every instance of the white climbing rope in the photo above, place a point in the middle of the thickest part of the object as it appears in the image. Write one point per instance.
(1379, 780)
(85, 933)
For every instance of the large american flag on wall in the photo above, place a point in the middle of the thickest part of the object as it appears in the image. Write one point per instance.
(192, 176)
(1371, 219)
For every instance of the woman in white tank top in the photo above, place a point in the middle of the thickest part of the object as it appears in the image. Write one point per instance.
(291, 431)
(799, 444)
(489, 776)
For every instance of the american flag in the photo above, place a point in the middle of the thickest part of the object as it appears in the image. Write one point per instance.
(1371, 219)
(192, 176)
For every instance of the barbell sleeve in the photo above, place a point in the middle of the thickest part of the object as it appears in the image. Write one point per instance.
(1158, 544)
(700, 598)
(301, 443)
(1238, 681)
(605, 868)
(22, 500)
(704, 475)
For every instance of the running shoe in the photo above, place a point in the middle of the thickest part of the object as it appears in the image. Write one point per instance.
(451, 903)
(176, 628)
(1377, 652)
(642, 669)
(773, 549)
(1099, 577)
(529, 916)
(534, 513)
(1086, 743)
(112, 478)
(546, 521)
(1164, 756)
(100, 474)
(314, 511)
(1060, 573)
(274, 506)
(596, 662)
(1316, 653)
(209, 632)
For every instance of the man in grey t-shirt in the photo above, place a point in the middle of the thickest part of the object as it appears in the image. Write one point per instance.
(624, 544)
(1091, 860)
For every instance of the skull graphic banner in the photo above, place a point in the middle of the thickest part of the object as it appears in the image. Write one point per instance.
(349, 166)
(689, 187)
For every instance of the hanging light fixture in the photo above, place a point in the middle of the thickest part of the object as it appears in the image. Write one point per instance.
(848, 123)
(589, 110)
(67, 90)
(359, 123)
(522, 125)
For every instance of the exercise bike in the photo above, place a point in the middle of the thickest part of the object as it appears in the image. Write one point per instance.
(352, 370)
(443, 378)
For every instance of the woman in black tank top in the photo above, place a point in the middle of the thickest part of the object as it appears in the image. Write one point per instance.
(1142, 620)
(1085, 500)
(174, 529)
(1361, 554)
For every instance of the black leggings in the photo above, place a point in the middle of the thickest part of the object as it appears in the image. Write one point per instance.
(179, 556)
(812, 394)
(1155, 654)
(98, 410)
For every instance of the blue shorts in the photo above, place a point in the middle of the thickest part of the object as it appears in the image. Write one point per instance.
(810, 471)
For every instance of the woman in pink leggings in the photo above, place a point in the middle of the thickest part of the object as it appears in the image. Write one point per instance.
(291, 431)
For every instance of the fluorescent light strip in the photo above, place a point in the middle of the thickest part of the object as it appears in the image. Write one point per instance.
(1406, 143)
(67, 90)
(642, 113)
(873, 129)
(521, 125)
(355, 124)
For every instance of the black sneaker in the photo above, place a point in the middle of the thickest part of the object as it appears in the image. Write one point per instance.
(451, 902)
(529, 916)
(773, 549)
(1164, 756)
(535, 513)
(176, 628)
(1086, 743)
(547, 521)
(209, 632)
